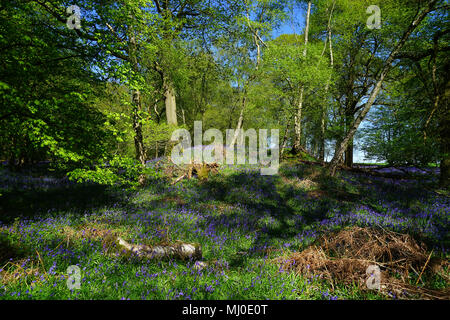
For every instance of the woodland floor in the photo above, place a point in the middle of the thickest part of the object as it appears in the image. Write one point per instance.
(248, 225)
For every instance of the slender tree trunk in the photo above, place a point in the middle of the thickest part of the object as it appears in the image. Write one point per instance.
(349, 151)
(298, 116)
(298, 124)
(322, 136)
(136, 99)
(258, 49)
(340, 148)
(327, 87)
(240, 121)
(285, 138)
(375, 91)
(137, 127)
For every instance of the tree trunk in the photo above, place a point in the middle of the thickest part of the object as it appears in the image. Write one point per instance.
(136, 98)
(308, 14)
(384, 71)
(327, 87)
(137, 127)
(349, 151)
(170, 102)
(298, 116)
(298, 124)
(336, 148)
(240, 121)
(285, 138)
(322, 136)
(349, 155)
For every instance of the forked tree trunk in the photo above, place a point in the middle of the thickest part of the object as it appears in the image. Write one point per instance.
(375, 91)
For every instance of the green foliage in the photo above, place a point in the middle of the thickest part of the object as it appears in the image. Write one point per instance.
(47, 93)
(119, 171)
(76, 97)
(409, 126)
(203, 173)
(396, 140)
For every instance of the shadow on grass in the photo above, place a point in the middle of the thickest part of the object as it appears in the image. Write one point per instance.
(10, 251)
(288, 209)
(77, 199)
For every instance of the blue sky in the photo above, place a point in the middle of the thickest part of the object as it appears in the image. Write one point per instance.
(295, 21)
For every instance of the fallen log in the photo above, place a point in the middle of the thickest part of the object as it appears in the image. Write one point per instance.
(179, 179)
(179, 250)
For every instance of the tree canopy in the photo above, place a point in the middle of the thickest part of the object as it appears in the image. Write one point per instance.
(118, 83)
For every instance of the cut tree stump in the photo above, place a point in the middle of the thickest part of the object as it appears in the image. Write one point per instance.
(179, 250)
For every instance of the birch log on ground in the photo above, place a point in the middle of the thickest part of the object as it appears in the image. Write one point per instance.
(178, 250)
